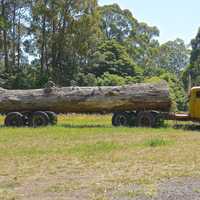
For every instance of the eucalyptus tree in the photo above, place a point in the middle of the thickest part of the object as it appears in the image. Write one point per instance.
(138, 37)
(12, 30)
(65, 32)
(193, 69)
(174, 56)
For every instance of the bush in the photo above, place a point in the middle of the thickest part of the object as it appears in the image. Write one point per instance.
(111, 80)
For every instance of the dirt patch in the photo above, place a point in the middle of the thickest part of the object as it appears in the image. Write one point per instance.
(174, 189)
(66, 187)
(186, 189)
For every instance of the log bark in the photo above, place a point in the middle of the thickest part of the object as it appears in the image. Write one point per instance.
(88, 99)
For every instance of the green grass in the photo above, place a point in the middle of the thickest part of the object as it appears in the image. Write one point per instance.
(85, 154)
(156, 142)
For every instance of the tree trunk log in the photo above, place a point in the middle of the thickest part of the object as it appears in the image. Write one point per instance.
(88, 99)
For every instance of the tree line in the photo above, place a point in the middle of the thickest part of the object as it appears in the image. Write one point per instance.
(79, 43)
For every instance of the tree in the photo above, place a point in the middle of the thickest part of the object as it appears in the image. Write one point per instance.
(145, 48)
(138, 38)
(116, 23)
(65, 32)
(4, 32)
(13, 22)
(193, 69)
(113, 58)
(195, 54)
(174, 56)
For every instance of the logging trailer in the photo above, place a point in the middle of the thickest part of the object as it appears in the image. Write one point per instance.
(156, 119)
(133, 105)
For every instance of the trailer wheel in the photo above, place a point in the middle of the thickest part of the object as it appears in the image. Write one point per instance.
(39, 119)
(27, 116)
(145, 119)
(159, 120)
(53, 119)
(132, 119)
(14, 119)
(120, 119)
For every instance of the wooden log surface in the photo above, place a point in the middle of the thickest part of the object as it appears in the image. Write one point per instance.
(88, 99)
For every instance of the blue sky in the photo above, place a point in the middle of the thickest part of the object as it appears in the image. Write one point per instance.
(174, 18)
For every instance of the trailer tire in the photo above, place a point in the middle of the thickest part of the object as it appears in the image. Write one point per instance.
(27, 116)
(120, 119)
(39, 119)
(53, 118)
(145, 119)
(159, 121)
(132, 119)
(14, 119)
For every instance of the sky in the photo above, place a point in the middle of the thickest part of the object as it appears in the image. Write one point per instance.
(174, 18)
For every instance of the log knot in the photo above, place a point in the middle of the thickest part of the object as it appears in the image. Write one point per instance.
(75, 88)
(49, 87)
(112, 93)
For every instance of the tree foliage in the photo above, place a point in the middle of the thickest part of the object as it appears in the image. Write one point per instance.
(113, 58)
(174, 56)
(193, 69)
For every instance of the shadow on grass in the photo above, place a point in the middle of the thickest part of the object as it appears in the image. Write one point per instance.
(85, 126)
(187, 127)
(69, 126)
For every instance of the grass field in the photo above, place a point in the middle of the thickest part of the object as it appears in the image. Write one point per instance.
(84, 157)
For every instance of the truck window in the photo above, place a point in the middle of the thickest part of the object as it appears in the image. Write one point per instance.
(198, 94)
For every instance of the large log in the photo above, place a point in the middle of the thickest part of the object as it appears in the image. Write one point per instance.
(88, 99)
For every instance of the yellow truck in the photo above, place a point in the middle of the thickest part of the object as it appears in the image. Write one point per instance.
(193, 113)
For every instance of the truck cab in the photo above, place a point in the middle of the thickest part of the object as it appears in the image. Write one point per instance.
(194, 103)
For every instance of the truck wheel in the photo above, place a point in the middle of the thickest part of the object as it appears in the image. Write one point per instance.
(53, 119)
(39, 119)
(145, 119)
(14, 119)
(120, 119)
